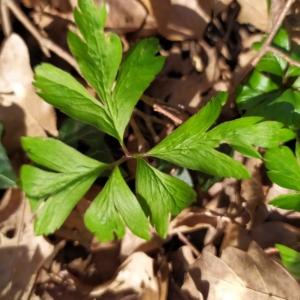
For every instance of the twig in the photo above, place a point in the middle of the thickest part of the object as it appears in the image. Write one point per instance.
(5, 18)
(265, 47)
(182, 237)
(45, 44)
(284, 55)
(142, 143)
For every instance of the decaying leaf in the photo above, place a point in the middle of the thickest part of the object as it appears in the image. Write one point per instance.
(22, 253)
(243, 275)
(179, 20)
(135, 278)
(22, 112)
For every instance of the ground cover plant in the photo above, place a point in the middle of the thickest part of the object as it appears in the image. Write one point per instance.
(119, 85)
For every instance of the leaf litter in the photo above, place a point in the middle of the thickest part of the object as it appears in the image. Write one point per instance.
(232, 218)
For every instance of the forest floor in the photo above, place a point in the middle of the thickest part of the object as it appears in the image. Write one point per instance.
(224, 245)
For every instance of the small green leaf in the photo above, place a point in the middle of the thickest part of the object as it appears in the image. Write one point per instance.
(165, 195)
(138, 70)
(53, 211)
(114, 207)
(57, 156)
(249, 131)
(53, 195)
(290, 259)
(98, 54)
(189, 147)
(38, 183)
(60, 89)
(283, 167)
(7, 175)
(288, 201)
(260, 82)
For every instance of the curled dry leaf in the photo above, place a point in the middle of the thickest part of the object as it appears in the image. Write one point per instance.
(22, 111)
(22, 253)
(135, 278)
(243, 275)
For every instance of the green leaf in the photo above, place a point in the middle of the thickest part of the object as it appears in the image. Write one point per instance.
(193, 129)
(249, 131)
(114, 207)
(52, 212)
(290, 259)
(55, 155)
(53, 195)
(75, 134)
(164, 195)
(98, 54)
(272, 64)
(283, 167)
(288, 201)
(38, 183)
(190, 146)
(138, 70)
(7, 175)
(260, 82)
(60, 89)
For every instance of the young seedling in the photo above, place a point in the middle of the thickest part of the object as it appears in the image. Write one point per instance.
(63, 175)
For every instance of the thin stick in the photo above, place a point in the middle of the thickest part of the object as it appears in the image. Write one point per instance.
(142, 143)
(160, 109)
(283, 55)
(5, 18)
(265, 47)
(182, 237)
(45, 44)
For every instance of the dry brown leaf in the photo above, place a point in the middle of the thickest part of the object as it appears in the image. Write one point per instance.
(125, 16)
(243, 275)
(22, 111)
(255, 12)
(21, 252)
(178, 20)
(135, 278)
(270, 233)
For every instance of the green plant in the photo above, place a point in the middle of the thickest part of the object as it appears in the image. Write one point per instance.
(290, 259)
(273, 89)
(7, 175)
(64, 175)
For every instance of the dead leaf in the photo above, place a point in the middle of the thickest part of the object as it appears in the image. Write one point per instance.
(178, 20)
(22, 111)
(243, 275)
(255, 12)
(22, 253)
(125, 16)
(135, 277)
(270, 233)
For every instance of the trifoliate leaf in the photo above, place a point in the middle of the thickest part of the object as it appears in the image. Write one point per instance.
(7, 175)
(283, 167)
(290, 259)
(114, 207)
(54, 194)
(287, 201)
(163, 194)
